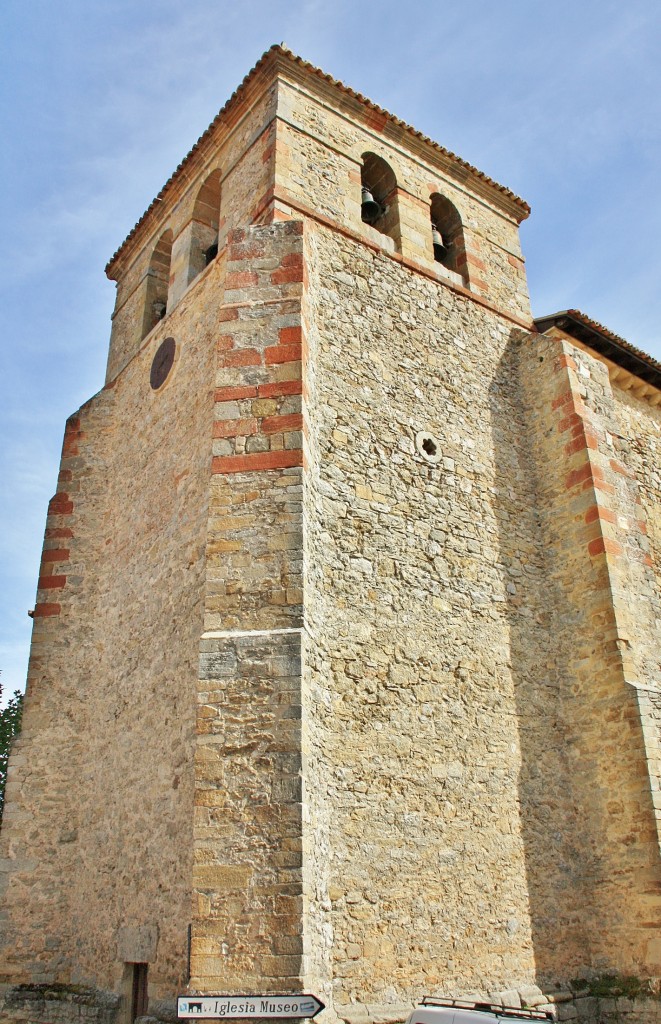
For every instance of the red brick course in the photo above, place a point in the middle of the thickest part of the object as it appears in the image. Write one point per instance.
(279, 389)
(257, 461)
(617, 467)
(283, 354)
(584, 439)
(235, 394)
(56, 555)
(604, 545)
(274, 424)
(289, 275)
(60, 505)
(577, 476)
(240, 279)
(276, 339)
(51, 582)
(600, 512)
(376, 120)
(290, 335)
(45, 609)
(240, 357)
(72, 435)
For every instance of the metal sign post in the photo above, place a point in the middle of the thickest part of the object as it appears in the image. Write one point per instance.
(234, 1007)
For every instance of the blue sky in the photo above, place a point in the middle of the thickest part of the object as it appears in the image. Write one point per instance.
(560, 102)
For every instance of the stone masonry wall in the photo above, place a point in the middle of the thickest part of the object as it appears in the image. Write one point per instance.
(248, 903)
(639, 442)
(603, 605)
(39, 838)
(425, 641)
(98, 836)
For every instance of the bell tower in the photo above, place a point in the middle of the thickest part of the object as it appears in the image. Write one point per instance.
(299, 713)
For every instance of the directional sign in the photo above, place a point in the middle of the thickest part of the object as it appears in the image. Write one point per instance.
(248, 1006)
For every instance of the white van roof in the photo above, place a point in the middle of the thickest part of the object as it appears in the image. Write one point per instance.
(438, 1010)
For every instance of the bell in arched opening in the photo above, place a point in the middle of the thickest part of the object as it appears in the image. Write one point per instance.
(370, 210)
(447, 235)
(440, 248)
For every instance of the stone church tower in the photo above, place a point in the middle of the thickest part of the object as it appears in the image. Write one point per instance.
(345, 667)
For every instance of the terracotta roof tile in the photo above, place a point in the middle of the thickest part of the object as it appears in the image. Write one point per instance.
(619, 349)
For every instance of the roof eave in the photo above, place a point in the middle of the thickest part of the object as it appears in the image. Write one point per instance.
(601, 340)
(279, 58)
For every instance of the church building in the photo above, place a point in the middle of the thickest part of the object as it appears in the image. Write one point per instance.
(345, 674)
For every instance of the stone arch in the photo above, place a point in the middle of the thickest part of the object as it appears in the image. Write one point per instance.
(378, 181)
(446, 221)
(205, 225)
(158, 280)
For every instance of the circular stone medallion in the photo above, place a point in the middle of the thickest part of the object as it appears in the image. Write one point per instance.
(428, 446)
(162, 363)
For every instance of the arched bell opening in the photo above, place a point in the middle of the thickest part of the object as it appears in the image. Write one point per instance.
(378, 205)
(158, 280)
(447, 235)
(204, 226)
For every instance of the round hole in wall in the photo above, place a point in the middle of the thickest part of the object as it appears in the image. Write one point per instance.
(162, 363)
(428, 446)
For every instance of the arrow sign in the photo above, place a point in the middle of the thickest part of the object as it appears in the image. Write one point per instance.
(248, 1006)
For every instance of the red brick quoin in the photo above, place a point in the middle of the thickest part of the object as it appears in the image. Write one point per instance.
(51, 576)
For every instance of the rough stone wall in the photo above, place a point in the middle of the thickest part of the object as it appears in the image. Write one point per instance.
(99, 836)
(640, 445)
(52, 1004)
(39, 842)
(424, 615)
(639, 442)
(603, 620)
(248, 904)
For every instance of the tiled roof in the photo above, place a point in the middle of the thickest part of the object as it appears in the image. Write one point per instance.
(279, 50)
(598, 337)
(407, 127)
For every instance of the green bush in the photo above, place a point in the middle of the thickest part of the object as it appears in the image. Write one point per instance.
(10, 725)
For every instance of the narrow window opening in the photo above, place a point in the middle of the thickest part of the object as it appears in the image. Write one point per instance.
(429, 446)
(205, 226)
(378, 206)
(158, 280)
(139, 991)
(447, 235)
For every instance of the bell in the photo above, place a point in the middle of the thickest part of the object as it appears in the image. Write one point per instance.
(440, 248)
(369, 208)
(211, 253)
